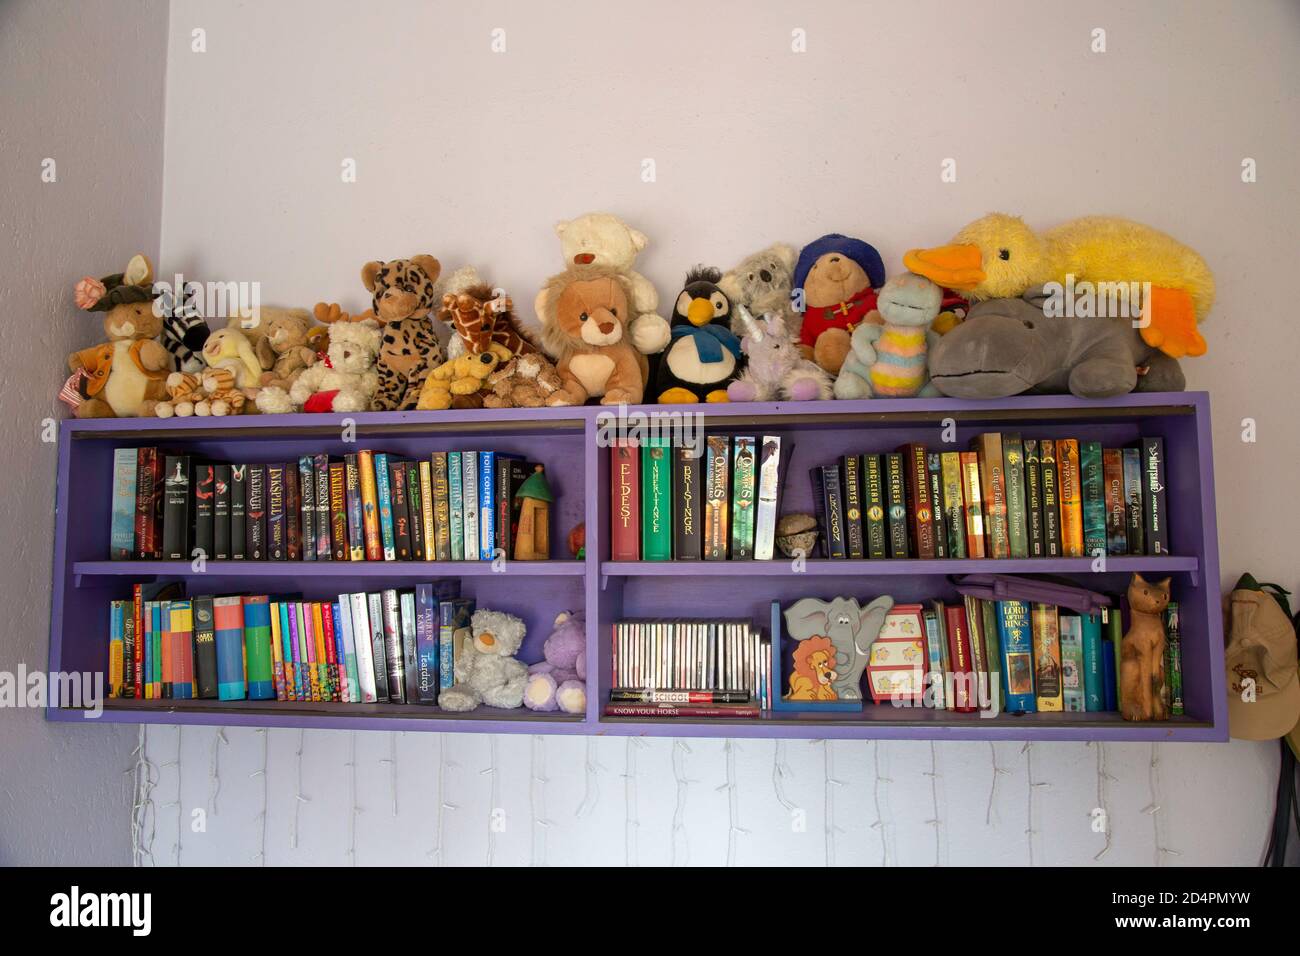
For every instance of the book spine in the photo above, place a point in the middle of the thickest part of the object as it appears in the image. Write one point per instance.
(656, 500)
(137, 681)
(896, 504)
(317, 653)
(221, 513)
(920, 520)
(383, 492)
(633, 695)
(205, 649)
(346, 652)
(979, 665)
(833, 505)
(426, 646)
(429, 526)
(407, 621)
(934, 468)
(228, 619)
(393, 647)
(177, 516)
(1015, 630)
(1111, 639)
(183, 649)
(321, 472)
(875, 529)
(1174, 661)
(686, 512)
(853, 539)
(964, 691)
(1013, 479)
(736, 711)
(277, 641)
(126, 687)
(117, 614)
(1047, 658)
(205, 495)
(1051, 483)
(1072, 668)
(954, 506)
(257, 647)
(769, 498)
(1132, 458)
(144, 533)
(256, 517)
(369, 507)
(469, 503)
(744, 464)
(1092, 484)
(456, 505)
(1071, 492)
(378, 643)
(294, 673)
(973, 502)
(625, 501)
(125, 495)
(503, 503)
(936, 671)
(1094, 689)
(1155, 523)
(277, 541)
(441, 508)
(988, 447)
(292, 512)
(338, 511)
(487, 508)
(353, 608)
(717, 496)
(1112, 470)
(399, 488)
(1033, 474)
(988, 613)
(356, 517)
(238, 511)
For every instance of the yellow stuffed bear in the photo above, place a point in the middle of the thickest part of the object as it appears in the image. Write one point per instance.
(460, 379)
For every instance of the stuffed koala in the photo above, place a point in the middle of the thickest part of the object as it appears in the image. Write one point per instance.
(559, 682)
(488, 671)
(761, 283)
(405, 296)
(344, 382)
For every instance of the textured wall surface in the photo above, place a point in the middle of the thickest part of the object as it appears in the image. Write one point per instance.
(83, 86)
(473, 128)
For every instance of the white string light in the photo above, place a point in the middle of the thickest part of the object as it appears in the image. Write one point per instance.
(299, 798)
(143, 810)
(830, 829)
(780, 771)
(680, 750)
(1103, 778)
(214, 771)
(933, 774)
(494, 798)
(537, 799)
(1154, 807)
(590, 785)
(875, 791)
(993, 782)
(632, 822)
(391, 760)
(356, 808)
(734, 829)
(260, 856)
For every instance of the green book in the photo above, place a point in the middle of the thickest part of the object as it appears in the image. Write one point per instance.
(656, 500)
(873, 507)
(1013, 474)
(992, 645)
(743, 488)
(257, 647)
(1113, 627)
(1094, 688)
(455, 506)
(1091, 476)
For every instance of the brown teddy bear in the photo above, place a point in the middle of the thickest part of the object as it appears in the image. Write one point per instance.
(526, 381)
(126, 376)
(283, 345)
(458, 382)
(585, 325)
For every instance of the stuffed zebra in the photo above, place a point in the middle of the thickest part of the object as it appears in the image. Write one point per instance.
(184, 333)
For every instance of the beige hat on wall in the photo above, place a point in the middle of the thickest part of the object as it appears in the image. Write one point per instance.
(1261, 659)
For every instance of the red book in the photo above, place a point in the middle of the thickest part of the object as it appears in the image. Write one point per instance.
(920, 516)
(964, 692)
(625, 501)
(148, 504)
(674, 710)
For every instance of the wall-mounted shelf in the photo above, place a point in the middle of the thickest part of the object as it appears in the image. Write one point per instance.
(569, 442)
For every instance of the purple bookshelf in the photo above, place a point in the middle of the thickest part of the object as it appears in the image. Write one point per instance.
(569, 442)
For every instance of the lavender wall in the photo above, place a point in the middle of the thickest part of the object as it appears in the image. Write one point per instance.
(83, 86)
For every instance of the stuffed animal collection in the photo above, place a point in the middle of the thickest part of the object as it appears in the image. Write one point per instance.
(1097, 306)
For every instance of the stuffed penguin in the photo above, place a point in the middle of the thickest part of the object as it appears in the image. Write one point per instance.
(703, 355)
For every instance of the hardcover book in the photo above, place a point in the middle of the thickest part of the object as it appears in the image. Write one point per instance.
(770, 473)
(276, 532)
(205, 501)
(1072, 672)
(221, 513)
(1094, 498)
(180, 634)
(441, 508)
(352, 498)
(415, 502)
(1112, 472)
(1013, 477)
(656, 500)
(1071, 492)
(307, 506)
(407, 619)
(1154, 519)
(1133, 473)
(625, 501)
(148, 504)
(178, 518)
(361, 635)
(973, 499)
(1094, 688)
(1051, 498)
(292, 512)
(717, 492)
(393, 651)
(338, 511)
(1034, 499)
(426, 645)
(469, 503)
(965, 687)
(920, 518)
(953, 503)
(1016, 633)
(988, 449)
(1047, 658)
(456, 506)
(687, 522)
(125, 475)
(372, 537)
(874, 527)
(853, 536)
(743, 490)
(828, 503)
(116, 637)
(384, 496)
(896, 504)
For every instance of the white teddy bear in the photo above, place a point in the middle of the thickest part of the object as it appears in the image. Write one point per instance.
(344, 381)
(600, 241)
(487, 671)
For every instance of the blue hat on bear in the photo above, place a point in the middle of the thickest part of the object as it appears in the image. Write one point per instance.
(863, 253)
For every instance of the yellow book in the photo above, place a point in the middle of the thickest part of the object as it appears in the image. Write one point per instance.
(277, 656)
(1067, 462)
(1048, 683)
(322, 687)
(426, 510)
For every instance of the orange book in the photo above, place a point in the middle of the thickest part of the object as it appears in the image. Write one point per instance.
(973, 503)
(369, 506)
(988, 448)
(1067, 463)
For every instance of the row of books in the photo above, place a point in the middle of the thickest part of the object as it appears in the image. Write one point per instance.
(393, 645)
(1006, 497)
(689, 668)
(368, 506)
(668, 504)
(1007, 655)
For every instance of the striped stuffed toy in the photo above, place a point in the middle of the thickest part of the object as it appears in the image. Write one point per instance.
(889, 360)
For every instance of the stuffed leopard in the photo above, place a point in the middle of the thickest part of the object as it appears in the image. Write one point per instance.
(404, 297)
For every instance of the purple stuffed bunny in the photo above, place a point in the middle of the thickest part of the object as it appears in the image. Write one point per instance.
(559, 682)
(776, 369)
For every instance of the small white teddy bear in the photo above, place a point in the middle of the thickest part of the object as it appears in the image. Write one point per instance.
(488, 671)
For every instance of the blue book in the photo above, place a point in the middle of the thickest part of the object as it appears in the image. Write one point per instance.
(1108, 675)
(1016, 639)
(228, 616)
(427, 648)
(487, 498)
(1094, 694)
(257, 650)
(1071, 636)
(122, 537)
(934, 642)
(457, 506)
(384, 492)
(342, 614)
(340, 647)
(454, 618)
(155, 646)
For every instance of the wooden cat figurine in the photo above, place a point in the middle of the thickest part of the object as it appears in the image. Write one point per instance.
(1142, 651)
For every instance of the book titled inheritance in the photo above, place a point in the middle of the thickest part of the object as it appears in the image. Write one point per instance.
(688, 523)
(743, 490)
(717, 491)
(625, 501)
(874, 528)
(656, 500)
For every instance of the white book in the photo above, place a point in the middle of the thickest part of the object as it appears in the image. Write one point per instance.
(365, 656)
(769, 489)
(348, 676)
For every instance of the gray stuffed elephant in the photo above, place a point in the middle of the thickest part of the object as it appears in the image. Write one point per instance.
(851, 629)
(1009, 346)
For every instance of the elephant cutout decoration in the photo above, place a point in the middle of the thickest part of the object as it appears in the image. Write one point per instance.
(851, 630)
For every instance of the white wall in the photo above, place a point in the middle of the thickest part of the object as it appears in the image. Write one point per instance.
(83, 86)
(471, 155)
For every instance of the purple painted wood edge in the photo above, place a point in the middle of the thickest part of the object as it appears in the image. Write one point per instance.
(397, 570)
(1210, 562)
(895, 567)
(586, 419)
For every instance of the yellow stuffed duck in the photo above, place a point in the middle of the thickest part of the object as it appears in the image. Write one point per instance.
(999, 257)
